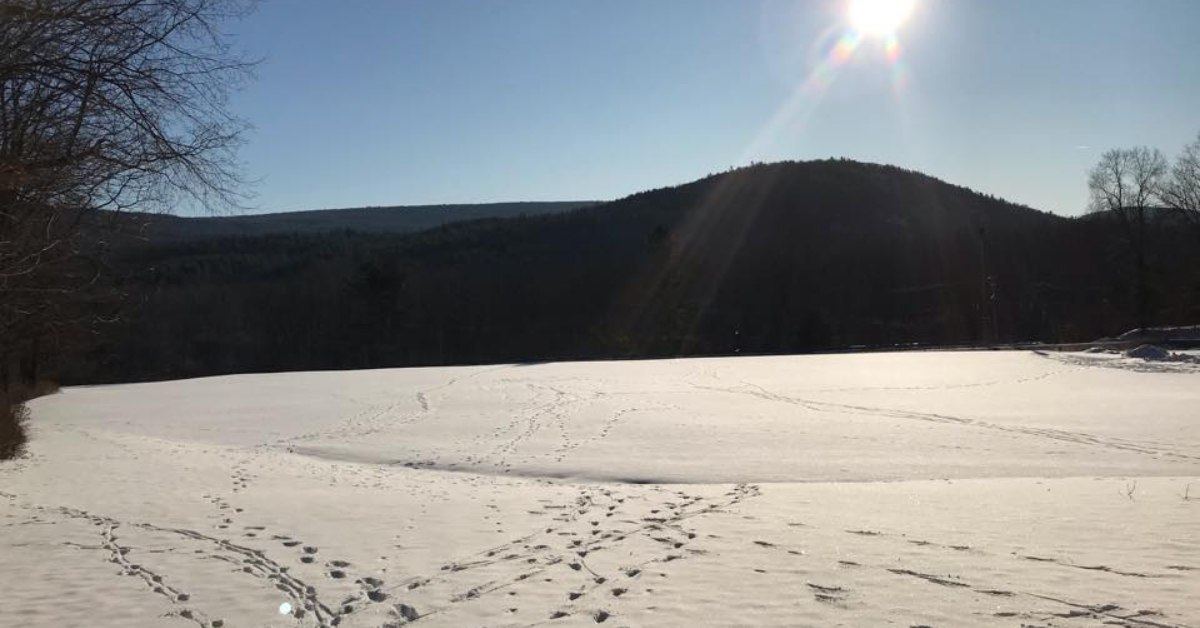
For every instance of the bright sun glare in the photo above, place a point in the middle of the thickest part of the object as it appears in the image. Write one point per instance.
(879, 18)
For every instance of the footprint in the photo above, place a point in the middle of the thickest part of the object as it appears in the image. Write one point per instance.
(601, 616)
(408, 613)
(827, 594)
(558, 614)
(375, 595)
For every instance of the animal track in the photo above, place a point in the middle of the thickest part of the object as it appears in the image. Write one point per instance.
(667, 539)
(1104, 568)
(1148, 449)
(587, 537)
(930, 578)
(827, 594)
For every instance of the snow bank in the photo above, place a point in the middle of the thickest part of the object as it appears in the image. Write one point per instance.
(1163, 335)
(1148, 352)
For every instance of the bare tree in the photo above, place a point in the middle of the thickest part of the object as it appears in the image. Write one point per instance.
(1181, 191)
(1126, 184)
(104, 105)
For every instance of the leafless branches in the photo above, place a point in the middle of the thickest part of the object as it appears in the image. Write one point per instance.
(105, 104)
(1126, 184)
(1181, 191)
(1127, 180)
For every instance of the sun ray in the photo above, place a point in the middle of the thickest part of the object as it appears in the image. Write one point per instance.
(836, 47)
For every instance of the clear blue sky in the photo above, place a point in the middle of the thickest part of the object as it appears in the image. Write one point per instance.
(450, 101)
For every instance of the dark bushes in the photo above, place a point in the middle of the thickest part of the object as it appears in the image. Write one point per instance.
(14, 415)
(12, 428)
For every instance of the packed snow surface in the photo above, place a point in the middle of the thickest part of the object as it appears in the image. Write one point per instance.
(907, 489)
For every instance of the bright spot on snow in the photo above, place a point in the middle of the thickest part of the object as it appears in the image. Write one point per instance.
(285, 608)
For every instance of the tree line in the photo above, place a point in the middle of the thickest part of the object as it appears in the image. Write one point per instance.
(1139, 189)
(778, 258)
(105, 106)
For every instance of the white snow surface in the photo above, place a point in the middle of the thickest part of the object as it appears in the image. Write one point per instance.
(907, 489)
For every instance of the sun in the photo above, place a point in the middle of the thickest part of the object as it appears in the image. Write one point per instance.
(879, 18)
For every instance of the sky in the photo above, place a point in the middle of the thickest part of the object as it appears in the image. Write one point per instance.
(408, 102)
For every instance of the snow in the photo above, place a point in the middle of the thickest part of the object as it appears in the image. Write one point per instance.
(1144, 358)
(1148, 352)
(1189, 333)
(914, 488)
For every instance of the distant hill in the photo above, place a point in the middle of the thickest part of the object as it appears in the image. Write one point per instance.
(774, 258)
(397, 219)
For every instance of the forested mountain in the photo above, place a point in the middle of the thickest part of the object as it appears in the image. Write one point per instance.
(784, 257)
(399, 219)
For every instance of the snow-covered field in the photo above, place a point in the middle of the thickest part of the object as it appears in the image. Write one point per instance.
(906, 489)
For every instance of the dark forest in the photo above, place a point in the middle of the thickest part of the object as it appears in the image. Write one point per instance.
(772, 258)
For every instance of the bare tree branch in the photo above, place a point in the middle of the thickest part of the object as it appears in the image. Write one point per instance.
(1181, 192)
(1126, 184)
(105, 104)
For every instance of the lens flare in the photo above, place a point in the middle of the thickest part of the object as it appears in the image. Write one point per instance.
(871, 29)
(891, 48)
(844, 48)
(879, 18)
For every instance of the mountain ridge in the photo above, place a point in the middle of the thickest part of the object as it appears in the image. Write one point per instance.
(788, 257)
(384, 218)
